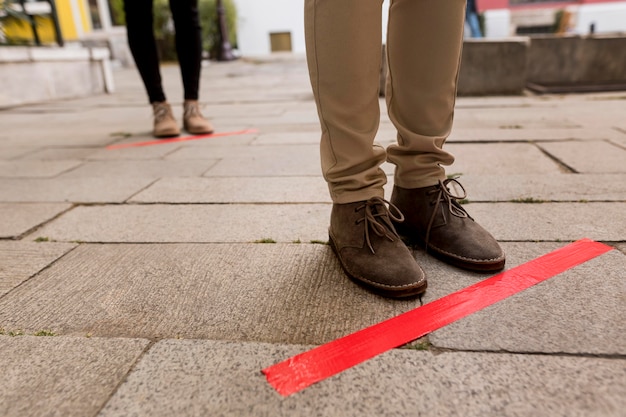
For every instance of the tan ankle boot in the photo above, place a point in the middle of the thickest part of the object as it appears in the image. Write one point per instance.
(193, 121)
(164, 122)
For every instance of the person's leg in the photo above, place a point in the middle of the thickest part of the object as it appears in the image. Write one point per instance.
(344, 56)
(139, 28)
(189, 51)
(424, 45)
(140, 32)
(343, 40)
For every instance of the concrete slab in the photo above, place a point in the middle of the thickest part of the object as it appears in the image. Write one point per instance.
(14, 152)
(141, 169)
(21, 260)
(570, 313)
(75, 190)
(281, 293)
(191, 223)
(59, 376)
(503, 159)
(36, 169)
(596, 157)
(275, 153)
(538, 187)
(236, 190)
(520, 117)
(519, 133)
(224, 379)
(552, 221)
(300, 138)
(18, 218)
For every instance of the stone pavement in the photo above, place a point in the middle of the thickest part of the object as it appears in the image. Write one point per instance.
(159, 280)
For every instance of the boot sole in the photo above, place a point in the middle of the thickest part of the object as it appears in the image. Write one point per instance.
(403, 293)
(468, 265)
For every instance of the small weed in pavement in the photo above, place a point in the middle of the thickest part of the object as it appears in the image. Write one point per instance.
(42, 239)
(44, 333)
(319, 242)
(528, 200)
(265, 240)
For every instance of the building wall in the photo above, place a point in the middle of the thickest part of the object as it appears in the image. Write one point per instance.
(256, 19)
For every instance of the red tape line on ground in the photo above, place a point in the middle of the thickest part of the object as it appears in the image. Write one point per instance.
(179, 139)
(305, 369)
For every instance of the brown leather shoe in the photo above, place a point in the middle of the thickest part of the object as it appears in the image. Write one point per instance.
(371, 252)
(193, 121)
(436, 220)
(164, 122)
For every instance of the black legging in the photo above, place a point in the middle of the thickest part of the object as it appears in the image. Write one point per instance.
(139, 23)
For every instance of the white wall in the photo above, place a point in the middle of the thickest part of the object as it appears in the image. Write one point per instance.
(608, 17)
(256, 19)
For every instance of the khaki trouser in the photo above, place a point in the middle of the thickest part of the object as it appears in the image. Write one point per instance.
(344, 54)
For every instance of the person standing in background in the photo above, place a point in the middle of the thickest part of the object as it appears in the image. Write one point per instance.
(424, 42)
(142, 43)
(471, 17)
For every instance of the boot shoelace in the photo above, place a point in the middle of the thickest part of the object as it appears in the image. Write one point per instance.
(162, 112)
(446, 196)
(192, 110)
(379, 220)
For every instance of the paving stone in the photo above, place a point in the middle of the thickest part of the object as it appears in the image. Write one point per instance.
(21, 260)
(552, 221)
(538, 187)
(598, 157)
(504, 159)
(579, 311)
(36, 169)
(59, 376)
(283, 293)
(76, 190)
(288, 138)
(224, 379)
(18, 218)
(514, 118)
(527, 135)
(14, 152)
(236, 190)
(191, 223)
(141, 169)
(273, 153)
(51, 154)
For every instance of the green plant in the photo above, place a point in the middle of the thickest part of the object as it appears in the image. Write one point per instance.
(527, 200)
(265, 240)
(207, 9)
(210, 26)
(117, 12)
(45, 333)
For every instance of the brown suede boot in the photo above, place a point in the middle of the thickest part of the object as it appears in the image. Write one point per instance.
(164, 122)
(435, 219)
(193, 121)
(371, 252)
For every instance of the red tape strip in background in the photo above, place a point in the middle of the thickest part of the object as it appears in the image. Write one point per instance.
(178, 139)
(305, 369)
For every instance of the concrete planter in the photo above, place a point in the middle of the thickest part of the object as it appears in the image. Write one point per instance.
(36, 74)
(494, 67)
(577, 62)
